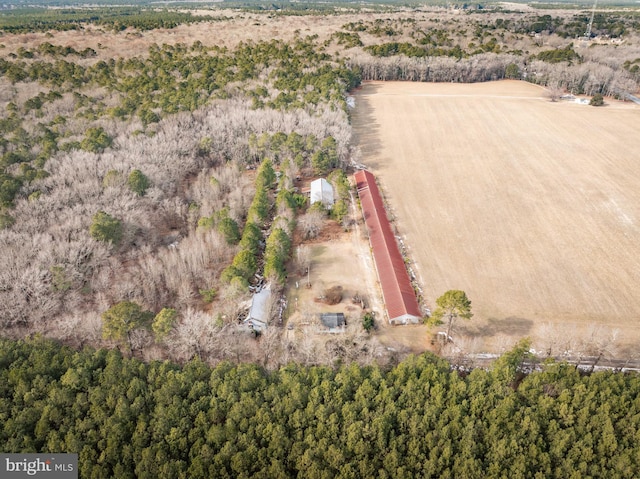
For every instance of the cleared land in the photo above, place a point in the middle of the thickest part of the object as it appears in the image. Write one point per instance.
(531, 207)
(340, 258)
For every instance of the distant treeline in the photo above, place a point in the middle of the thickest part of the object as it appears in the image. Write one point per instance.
(127, 418)
(116, 18)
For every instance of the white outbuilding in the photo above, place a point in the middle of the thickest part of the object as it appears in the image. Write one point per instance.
(321, 190)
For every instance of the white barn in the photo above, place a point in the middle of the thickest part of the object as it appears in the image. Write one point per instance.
(321, 190)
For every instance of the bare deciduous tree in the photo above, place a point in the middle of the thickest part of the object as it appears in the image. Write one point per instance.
(554, 91)
(311, 223)
(270, 347)
(195, 335)
(597, 343)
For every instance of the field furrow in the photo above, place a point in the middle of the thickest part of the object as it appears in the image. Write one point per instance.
(532, 207)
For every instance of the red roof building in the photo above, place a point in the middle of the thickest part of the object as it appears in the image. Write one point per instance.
(399, 296)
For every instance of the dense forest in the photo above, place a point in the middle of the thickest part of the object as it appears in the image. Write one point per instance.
(26, 20)
(127, 418)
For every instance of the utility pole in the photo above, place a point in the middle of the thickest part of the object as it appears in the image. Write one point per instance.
(587, 34)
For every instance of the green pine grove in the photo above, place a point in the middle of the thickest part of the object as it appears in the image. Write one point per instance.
(127, 418)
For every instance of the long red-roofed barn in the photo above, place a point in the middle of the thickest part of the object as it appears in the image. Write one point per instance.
(399, 296)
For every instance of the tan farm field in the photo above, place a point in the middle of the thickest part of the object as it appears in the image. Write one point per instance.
(531, 207)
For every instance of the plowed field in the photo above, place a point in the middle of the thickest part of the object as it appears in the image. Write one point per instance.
(532, 207)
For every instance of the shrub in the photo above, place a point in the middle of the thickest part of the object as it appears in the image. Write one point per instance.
(597, 100)
(341, 183)
(208, 295)
(512, 71)
(138, 182)
(163, 322)
(266, 177)
(276, 255)
(147, 117)
(251, 237)
(122, 318)
(9, 187)
(368, 323)
(229, 228)
(112, 178)
(245, 264)
(259, 209)
(230, 273)
(96, 140)
(339, 210)
(6, 221)
(106, 228)
(206, 222)
(59, 279)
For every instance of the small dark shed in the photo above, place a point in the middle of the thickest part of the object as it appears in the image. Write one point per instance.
(333, 320)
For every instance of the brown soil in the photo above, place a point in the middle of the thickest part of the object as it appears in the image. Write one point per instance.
(330, 231)
(531, 207)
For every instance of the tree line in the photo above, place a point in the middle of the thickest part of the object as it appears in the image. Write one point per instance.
(117, 18)
(419, 418)
(588, 77)
(490, 45)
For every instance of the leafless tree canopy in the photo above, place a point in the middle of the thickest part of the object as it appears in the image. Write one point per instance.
(54, 277)
(311, 223)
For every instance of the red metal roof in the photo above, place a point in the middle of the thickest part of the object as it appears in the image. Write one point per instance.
(399, 296)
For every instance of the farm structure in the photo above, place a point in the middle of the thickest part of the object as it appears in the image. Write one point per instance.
(322, 191)
(334, 322)
(399, 297)
(258, 318)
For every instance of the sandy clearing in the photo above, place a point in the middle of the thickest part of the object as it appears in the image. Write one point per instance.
(531, 207)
